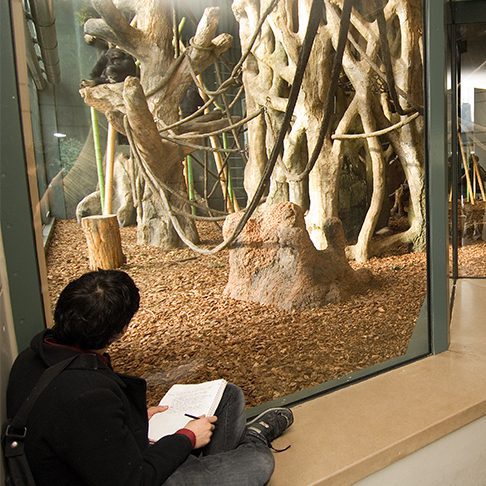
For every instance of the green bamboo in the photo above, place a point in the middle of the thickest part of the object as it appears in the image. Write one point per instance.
(230, 183)
(190, 182)
(98, 155)
(181, 25)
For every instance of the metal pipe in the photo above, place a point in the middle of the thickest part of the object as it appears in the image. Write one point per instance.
(33, 61)
(42, 12)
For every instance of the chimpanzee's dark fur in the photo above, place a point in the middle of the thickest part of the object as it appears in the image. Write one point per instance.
(113, 66)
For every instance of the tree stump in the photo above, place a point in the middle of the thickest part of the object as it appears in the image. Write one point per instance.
(274, 262)
(104, 242)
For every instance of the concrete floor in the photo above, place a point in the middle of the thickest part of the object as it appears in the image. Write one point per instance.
(346, 435)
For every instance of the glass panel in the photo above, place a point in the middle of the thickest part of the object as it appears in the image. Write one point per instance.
(471, 97)
(327, 283)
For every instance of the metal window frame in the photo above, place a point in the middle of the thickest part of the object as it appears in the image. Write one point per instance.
(20, 224)
(23, 263)
(436, 174)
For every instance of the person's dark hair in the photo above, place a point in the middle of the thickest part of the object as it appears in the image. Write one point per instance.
(93, 309)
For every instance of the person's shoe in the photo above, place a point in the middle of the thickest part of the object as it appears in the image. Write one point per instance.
(271, 424)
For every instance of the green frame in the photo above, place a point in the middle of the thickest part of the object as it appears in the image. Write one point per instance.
(16, 217)
(18, 232)
(436, 176)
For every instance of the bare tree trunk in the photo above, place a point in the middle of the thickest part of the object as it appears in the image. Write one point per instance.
(323, 194)
(360, 252)
(408, 142)
(152, 103)
(365, 104)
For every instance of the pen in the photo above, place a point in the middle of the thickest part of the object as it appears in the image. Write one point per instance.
(192, 416)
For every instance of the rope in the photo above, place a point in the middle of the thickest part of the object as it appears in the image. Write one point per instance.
(159, 189)
(347, 136)
(385, 50)
(198, 112)
(237, 96)
(174, 192)
(235, 73)
(199, 218)
(198, 46)
(314, 21)
(336, 69)
(200, 147)
(382, 76)
(233, 77)
(222, 130)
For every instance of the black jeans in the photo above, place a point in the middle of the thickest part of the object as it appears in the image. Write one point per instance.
(232, 458)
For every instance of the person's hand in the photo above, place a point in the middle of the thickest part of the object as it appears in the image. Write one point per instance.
(151, 411)
(203, 430)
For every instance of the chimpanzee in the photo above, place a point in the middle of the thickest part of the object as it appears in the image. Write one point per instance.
(113, 66)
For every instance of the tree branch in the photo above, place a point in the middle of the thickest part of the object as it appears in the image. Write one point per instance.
(99, 28)
(146, 136)
(107, 99)
(129, 38)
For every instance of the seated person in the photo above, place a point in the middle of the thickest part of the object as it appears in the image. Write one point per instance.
(89, 427)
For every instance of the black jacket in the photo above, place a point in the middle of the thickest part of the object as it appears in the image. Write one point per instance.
(89, 427)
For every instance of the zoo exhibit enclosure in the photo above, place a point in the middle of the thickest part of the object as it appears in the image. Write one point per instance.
(467, 149)
(324, 283)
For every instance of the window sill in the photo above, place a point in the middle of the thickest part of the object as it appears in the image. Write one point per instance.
(347, 435)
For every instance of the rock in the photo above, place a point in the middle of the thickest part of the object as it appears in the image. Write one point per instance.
(274, 262)
(122, 196)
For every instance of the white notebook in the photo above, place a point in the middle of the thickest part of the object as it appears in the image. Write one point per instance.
(198, 399)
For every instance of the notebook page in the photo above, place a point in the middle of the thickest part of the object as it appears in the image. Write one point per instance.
(198, 399)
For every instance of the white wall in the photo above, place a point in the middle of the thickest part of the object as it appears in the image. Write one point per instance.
(458, 459)
(8, 346)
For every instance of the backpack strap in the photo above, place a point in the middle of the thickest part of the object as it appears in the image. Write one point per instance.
(16, 430)
(13, 437)
(17, 424)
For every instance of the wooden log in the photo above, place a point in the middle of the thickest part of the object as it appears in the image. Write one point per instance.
(104, 242)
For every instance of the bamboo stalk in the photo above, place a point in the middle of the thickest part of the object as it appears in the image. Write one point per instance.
(466, 169)
(190, 181)
(110, 163)
(218, 160)
(473, 179)
(478, 176)
(98, 156)
(231, 192)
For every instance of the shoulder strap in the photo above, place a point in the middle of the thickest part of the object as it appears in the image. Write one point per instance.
(19, 422)
(18, 470)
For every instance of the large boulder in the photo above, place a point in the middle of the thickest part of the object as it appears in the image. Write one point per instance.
(274, 262)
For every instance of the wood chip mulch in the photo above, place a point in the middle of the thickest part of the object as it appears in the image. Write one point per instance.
(187, 331)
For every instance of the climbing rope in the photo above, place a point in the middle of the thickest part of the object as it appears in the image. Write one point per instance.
(159, 188)
(328, 105)
(315, 18)
(385, 51)
(228, 128)
(396, 126)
